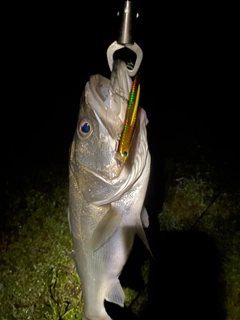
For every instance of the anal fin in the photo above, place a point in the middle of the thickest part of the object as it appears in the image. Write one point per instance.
(141, 233)
(116, 295)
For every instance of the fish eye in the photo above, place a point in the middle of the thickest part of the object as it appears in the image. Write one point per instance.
(85, 128)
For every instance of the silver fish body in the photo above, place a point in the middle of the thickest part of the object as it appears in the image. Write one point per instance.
(106, 199)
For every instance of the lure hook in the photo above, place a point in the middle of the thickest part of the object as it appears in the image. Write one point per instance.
(126, 37)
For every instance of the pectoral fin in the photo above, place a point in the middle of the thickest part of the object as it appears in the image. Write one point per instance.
(116, 295)
(106, 228)
(71, 255)
(144, 217)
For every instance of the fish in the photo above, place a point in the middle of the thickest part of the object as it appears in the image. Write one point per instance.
(106, 207)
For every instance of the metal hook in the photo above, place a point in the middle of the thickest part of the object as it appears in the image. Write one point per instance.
(127, 18)
(126, 37)
(134, 47)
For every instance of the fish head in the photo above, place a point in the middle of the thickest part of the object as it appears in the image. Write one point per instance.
(95, 162)
(100, 124)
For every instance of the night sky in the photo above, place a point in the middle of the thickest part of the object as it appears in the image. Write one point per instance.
(50, 52)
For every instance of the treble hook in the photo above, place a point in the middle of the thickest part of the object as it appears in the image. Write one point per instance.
(126, 37)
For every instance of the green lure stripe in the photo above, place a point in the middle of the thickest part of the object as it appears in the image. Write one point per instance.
(130, 120)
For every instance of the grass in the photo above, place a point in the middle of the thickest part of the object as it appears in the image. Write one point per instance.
(206, 198)
(38, 279)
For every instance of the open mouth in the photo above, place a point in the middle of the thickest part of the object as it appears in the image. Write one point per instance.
(109, 98)
(116, 101)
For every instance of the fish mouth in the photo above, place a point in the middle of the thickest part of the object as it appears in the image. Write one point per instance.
(109, 98)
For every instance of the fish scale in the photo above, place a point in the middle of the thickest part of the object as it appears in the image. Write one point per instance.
(106, 197)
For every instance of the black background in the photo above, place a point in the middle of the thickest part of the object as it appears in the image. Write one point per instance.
(189, 85)
(49, 52)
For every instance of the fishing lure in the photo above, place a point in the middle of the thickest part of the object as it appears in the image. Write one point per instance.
(130, 121)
